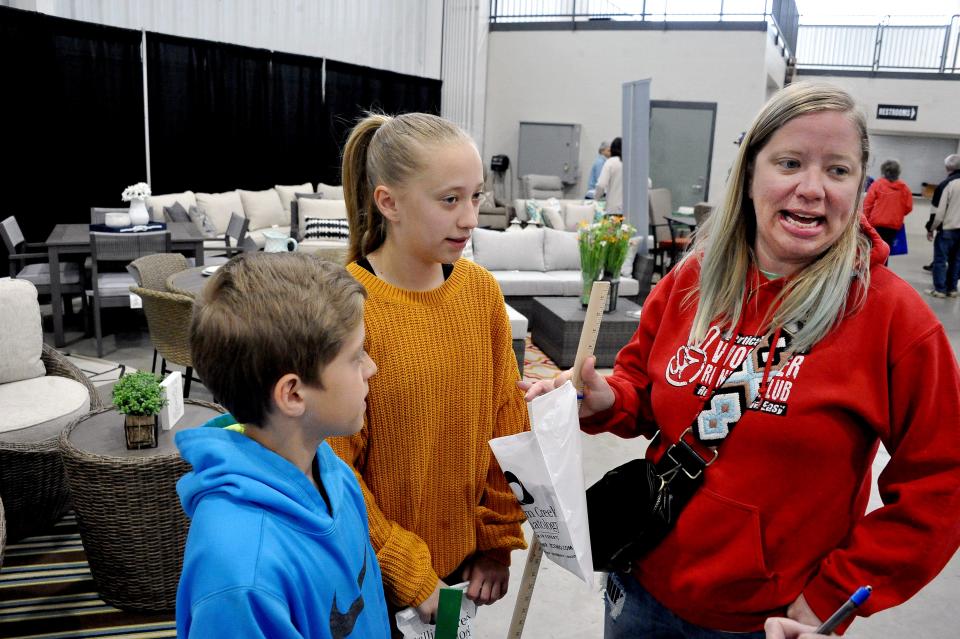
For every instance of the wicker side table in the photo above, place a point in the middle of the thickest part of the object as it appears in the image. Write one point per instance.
(131, 523)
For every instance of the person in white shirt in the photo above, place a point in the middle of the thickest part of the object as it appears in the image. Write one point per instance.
(610, 184)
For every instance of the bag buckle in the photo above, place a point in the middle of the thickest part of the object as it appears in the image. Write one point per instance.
(686, 458)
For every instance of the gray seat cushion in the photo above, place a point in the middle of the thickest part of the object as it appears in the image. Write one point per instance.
(571, 282)
(39, 274)
(39, 408)
(115, 284)
(518, 323)
(528, 283)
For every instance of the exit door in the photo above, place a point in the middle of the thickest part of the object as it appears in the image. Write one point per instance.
(681, 147)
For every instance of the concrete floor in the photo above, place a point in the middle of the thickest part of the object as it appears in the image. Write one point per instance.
(563, 606)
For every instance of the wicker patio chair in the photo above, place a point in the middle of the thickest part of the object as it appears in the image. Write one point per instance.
(152, 271)
(168, 318)
(33, 486)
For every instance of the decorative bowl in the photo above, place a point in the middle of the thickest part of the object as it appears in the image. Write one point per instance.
(117, 220)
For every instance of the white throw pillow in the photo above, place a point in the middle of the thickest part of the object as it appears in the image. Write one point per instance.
(155, 203)
(552, 217)
(218, 207)
(520, 209)
(21, 341)
(330, 192)
(288, 193)
(561, 250)
(499, 251)
(264, 209)
(324, 208)
(627, 269)
(576, 212)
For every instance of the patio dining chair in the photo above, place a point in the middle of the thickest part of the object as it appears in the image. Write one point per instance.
(110, 284)
(668, 241)
(235, 241)
(28, 261)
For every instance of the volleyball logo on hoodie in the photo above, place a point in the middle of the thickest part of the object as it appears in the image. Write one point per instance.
(734, 369)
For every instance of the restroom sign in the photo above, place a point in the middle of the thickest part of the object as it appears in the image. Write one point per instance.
(896, 112)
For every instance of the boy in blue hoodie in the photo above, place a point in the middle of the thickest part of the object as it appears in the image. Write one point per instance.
(278, 543)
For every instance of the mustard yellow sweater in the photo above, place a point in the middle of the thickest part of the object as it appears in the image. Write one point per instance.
(446, 385)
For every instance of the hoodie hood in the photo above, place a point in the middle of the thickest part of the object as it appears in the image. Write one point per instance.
(231, 464)
(879, 251)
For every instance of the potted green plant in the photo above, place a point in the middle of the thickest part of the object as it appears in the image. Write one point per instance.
(139, 397)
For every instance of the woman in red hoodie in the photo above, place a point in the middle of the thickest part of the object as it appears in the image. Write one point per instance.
(783, 324)
(888, 201)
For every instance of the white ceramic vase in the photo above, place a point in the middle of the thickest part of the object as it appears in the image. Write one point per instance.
(138, 212)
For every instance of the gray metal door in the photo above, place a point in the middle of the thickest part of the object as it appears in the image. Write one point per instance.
(681, 146)
(549, 149)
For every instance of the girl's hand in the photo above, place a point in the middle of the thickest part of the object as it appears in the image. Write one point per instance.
(428, 609)
(597, 394)
(488, 579)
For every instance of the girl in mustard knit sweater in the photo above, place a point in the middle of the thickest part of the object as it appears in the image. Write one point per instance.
(440, 509)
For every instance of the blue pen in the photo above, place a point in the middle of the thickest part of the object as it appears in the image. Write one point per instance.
(844, 611)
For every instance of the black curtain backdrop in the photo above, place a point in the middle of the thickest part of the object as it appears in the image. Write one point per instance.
(222, 116)
(210, 124)
(302, 149)
(353, 90)
(71, 117)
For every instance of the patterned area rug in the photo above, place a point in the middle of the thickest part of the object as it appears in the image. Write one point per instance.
(536, 365)
(46, 590)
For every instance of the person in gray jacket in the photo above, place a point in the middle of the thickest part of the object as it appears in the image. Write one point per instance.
(945, 223)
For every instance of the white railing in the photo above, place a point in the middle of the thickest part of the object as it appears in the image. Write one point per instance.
(881, 47)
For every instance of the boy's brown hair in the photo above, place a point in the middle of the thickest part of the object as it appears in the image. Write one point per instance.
(264, 315)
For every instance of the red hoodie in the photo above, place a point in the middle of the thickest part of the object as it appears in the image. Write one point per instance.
(781, 512)
(887, 203)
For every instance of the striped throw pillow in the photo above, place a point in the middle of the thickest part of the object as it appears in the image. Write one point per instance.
(317, 228)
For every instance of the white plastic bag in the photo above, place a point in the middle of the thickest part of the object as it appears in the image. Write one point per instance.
(412, 627)
(545, 470)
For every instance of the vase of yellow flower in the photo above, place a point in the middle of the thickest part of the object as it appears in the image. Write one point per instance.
(603, 249)
(592, 253)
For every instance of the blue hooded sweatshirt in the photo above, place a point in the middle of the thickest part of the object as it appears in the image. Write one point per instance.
(265, 557)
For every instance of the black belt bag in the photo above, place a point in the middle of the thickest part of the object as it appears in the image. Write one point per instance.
(632, 508)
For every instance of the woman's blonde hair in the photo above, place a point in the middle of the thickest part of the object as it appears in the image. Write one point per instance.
(816, 297)
(388, 150)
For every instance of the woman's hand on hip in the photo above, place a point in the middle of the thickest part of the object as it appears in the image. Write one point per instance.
(597, 394)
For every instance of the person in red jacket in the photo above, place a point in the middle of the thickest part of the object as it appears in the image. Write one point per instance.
(783, 324)
(888, 201)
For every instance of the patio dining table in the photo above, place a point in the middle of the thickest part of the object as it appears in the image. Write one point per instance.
(74, 239)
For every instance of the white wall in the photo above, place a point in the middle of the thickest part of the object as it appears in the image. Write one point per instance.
(938, 102)
(576, 77)
(393, 35)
